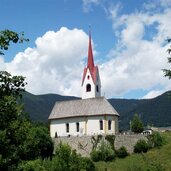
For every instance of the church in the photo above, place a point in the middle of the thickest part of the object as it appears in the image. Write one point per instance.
(91, 115)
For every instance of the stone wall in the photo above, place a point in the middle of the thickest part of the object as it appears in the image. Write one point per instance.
(83, 144)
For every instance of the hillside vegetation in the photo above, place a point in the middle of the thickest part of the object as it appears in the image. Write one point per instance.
(156, 112)
(155, 160)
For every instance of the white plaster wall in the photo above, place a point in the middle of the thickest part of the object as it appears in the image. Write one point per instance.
(93, 125)
(88, 126)
(59, 126)
(91, 93)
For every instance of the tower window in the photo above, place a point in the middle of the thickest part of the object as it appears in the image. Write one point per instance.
(88, 77)
(97, 88)
(67, 127)
(77, 126)
(109, 124)
(88, 87)
(101, 124)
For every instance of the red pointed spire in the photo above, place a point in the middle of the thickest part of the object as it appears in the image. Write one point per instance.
(90, 61)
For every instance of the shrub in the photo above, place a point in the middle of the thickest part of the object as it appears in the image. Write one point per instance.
(103, 153)
(111, 140)
(155, 140)
(95, 155)
(87, 164)
(141, 146)
(122, 152)
(95, 140)
(34, 165)
(67, 159)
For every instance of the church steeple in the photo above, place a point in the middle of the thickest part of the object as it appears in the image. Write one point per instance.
(90, 61)
(91, 85)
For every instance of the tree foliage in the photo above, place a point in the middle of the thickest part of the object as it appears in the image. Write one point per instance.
(136, 124)
(8, 36)
(122, 152)
(19, 140)
(104, 152)
(155, 140)
(141, 146)
(167, 72)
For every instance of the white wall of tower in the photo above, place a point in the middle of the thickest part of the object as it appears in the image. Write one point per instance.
(88, 80)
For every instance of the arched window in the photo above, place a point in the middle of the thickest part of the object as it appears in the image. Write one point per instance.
(101, 124)
(67, 127)
(88, 77)
(88, 87)
(97, 88)
(109, 124)
(77, 127)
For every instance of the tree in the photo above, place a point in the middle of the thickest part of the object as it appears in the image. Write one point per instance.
(136, 124)
(8, 36)
(38, 143)
(167, 72)
(13, 121)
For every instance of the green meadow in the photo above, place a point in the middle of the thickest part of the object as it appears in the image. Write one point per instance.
(158, 159)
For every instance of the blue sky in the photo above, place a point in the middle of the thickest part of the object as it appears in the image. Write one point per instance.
(128, 42)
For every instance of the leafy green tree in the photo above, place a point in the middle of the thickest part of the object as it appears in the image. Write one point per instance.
(136, 124)
(167, 72)
(19, 139)
(8, 36)
(37, 143)
(13, 121)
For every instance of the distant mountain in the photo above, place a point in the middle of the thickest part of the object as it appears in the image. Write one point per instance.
(39, 106)
(156, 111)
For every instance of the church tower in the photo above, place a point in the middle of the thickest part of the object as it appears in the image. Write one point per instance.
(91, 85)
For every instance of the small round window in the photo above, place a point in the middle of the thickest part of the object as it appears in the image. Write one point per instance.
(88, 77)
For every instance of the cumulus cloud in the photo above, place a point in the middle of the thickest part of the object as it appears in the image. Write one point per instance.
(54, 64)
(137, 59)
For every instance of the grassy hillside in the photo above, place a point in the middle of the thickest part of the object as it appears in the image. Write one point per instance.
(154, 160)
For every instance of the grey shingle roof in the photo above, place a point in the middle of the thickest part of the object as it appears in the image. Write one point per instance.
(84, 107)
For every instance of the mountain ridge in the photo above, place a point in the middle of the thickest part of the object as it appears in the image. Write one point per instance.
(155, 111)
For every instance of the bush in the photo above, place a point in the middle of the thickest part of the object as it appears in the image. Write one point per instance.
(34, 165)
(141, 146)
(103, 153)
(155, 140)
(66, 159)
(122, 152)
(87, 164)
(111, 140)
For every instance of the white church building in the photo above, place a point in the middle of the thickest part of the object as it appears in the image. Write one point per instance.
(91, 115)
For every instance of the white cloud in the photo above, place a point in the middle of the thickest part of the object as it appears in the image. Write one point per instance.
(55, 64)
(87, 4)
(2, 64)
(152, 94)
(137, 60)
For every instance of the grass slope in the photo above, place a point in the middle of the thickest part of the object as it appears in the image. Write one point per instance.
(154, 160)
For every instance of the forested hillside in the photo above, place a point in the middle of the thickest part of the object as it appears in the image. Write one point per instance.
(156, 112)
